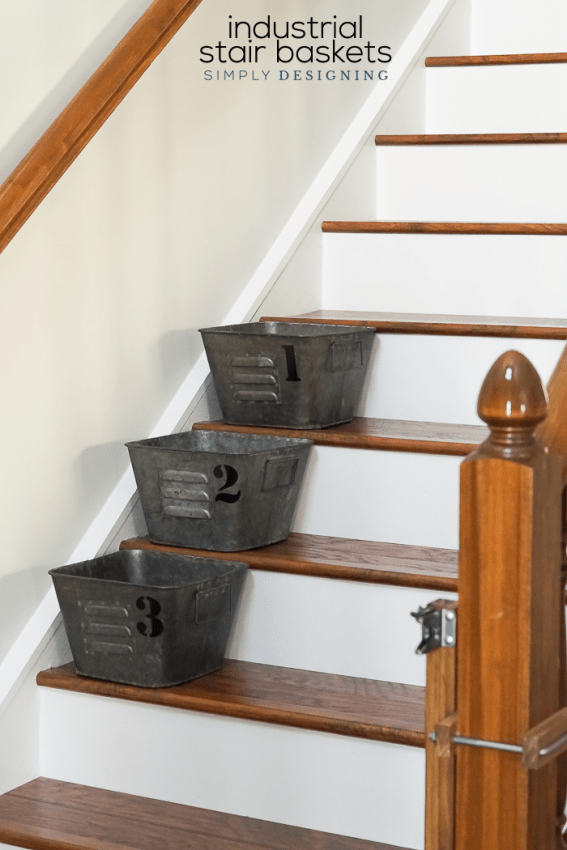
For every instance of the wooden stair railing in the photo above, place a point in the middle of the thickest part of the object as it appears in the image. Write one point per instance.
(511, 635)
(553, 433)
(71, 131)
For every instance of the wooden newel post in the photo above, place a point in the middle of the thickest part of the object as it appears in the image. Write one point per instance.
(509, 628)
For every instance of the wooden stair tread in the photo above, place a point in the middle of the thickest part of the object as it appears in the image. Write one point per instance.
(496, 59)
(478, 228)
(337, 558)
(437, 324)
(396, 435)
(473, 139)
(47, 814)
(343, 705)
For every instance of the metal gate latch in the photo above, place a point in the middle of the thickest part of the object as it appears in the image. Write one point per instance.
(439, 627)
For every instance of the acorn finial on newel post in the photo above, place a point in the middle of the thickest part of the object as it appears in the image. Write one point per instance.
(512, 402)
(509, 629)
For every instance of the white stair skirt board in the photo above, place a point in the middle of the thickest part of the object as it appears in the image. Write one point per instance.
(497, 99)
(344, 627)
(396, 497)
(311, 779)
(482, 275)
(438, 378)
(526, 183)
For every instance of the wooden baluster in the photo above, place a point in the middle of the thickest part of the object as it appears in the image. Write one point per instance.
(509, 629)
(553, 430)
(553, 433)
(440, 703)
(561, 821)
(561, 842)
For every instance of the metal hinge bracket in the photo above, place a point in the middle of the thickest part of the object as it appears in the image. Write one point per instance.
(439, 625)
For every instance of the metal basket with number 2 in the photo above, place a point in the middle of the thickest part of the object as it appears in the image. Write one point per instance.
(219, 491)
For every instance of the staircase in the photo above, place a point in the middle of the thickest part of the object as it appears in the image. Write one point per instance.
(317, 719)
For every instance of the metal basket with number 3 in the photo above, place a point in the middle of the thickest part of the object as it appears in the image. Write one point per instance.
(148, 618)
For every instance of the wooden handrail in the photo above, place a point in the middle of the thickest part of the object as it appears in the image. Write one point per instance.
(76, 125)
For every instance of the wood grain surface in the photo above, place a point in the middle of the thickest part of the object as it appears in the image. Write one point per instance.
(440, 705)
(541, 736)
(561, 818)
(553, 434)
(509, 623)
(343, 705)
(71, 131)
(496, 59)
(337, 558)
(47, 814)
(474, 139)
(553, 430)
(385, 434)
(473, 228)
(436, 324)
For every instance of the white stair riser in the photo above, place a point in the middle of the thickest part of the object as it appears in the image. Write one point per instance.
(310, 779)
(492, 275)
(344, 627)
(472, 183)
(397, 497)
(438, 378)
(497, 99)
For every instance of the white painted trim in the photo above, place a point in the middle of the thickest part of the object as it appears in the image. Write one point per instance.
(45, 619)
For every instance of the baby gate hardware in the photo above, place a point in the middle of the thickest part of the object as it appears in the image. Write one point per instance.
(542, 744)
(439, 628)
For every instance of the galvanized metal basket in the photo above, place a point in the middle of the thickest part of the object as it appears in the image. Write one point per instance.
(288, 374)
(216, 491)
(148, 618)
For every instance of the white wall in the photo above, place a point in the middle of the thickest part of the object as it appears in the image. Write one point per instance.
(151, 234)
(48, 49)
(518, 26)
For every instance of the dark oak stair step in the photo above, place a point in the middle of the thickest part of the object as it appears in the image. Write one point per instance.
(473, 139)
(396, 435)
(436, 324)
(338, 558)
(342, 705)
(47, 814)
(496, 59)
(475, 228)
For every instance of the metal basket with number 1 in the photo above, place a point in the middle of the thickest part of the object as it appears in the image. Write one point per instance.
(288, 374)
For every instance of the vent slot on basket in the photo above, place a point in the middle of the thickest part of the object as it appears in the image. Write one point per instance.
(184, 494)
(106, 629)
(97, 609)
(107, 648)
(94, 631)
(346, 355)
(254, 378)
